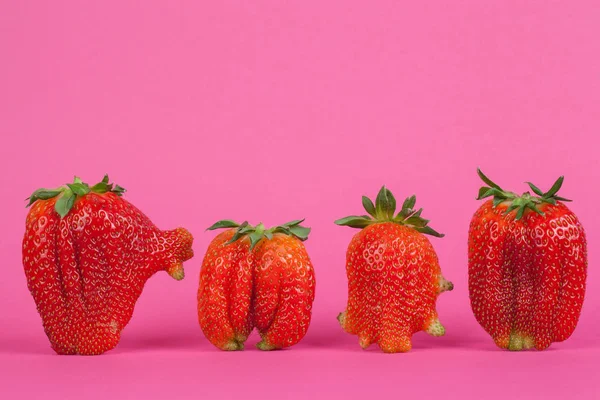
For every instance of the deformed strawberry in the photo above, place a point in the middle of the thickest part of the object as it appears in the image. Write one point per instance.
(394, 277)
(527, 266)
(87, 254)
(253, 277)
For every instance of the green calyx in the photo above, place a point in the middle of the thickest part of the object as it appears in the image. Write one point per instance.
(521, 203)
(383, 211)
(69, 193)
(258, 232)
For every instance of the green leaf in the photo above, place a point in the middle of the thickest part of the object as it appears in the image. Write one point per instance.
(416, 221)
(118, 190)
(385, 204)
(105, 179)
(532, 207)
(294, 222)
(510, 208)
(65, 203)
(482, 191)
(487, 180)
(225, 223)
(496, 193)
(409, 203)
(255, 238)
(101, 187)
(520, 212)
(555, 188)
(300, 232)
(282, 229)
(561, 198)
(80, 189)
(42, 194)
(535, 189)
(497, 200)
(430, 231)
(368, 205)
(77, 180)
(268, 235)
(354, 221)
(550, 200)
(245, 228)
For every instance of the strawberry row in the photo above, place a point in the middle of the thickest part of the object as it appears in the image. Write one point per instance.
(87, 254)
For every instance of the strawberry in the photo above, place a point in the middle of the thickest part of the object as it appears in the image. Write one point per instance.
(253, 277)
(527, 266)
(87, 254)
(394, 277)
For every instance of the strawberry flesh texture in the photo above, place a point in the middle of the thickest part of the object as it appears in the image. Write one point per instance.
(87, 270)
(394, 279)
(527, 277)
(270, 288)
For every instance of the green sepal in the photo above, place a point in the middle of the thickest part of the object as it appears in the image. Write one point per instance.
(69, 193)
(259, 232)
(522, 202)
(555, 188)
(487, 180)
(430, 231)
(385, 204)
(482, 191)
(354, 221)
(42, 194)
(368, 205)
(409, 203)
(80, 189)
(225, 223)
(300, 232)
(242, 229)
(535, 189)
(384, 209)
(65, 202)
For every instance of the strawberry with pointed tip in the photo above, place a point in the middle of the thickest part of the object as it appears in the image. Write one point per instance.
(527, 266)
(87, 254)
(394, 277)
(253, 277)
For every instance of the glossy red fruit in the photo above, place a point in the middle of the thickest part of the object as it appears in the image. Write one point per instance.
(394, 277)
(260, 278)
(527, 266)
(87, 254)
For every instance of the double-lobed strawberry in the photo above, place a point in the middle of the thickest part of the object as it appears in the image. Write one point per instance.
(527, 266)
(87, 254)
(254, 277)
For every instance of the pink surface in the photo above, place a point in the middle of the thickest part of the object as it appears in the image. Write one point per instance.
(270, 111)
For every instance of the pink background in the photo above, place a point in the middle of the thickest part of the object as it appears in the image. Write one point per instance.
(270, 111)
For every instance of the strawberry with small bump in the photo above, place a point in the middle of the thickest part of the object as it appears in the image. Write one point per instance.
(394, 277)
(87, 254)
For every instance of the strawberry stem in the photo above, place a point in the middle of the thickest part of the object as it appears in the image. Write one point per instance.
(383, 211)
(68, 193)
(258, 232)
(523, 202)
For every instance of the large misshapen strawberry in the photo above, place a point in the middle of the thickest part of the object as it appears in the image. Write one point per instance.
(253, 277)
(394, 277)
(527, 266)
(87, 254)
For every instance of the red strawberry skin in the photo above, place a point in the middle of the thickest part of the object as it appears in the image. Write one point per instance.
(225, 292)
(87, 269)
(284, 290)
(394, 279)
(270, 287)
(527, 277)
